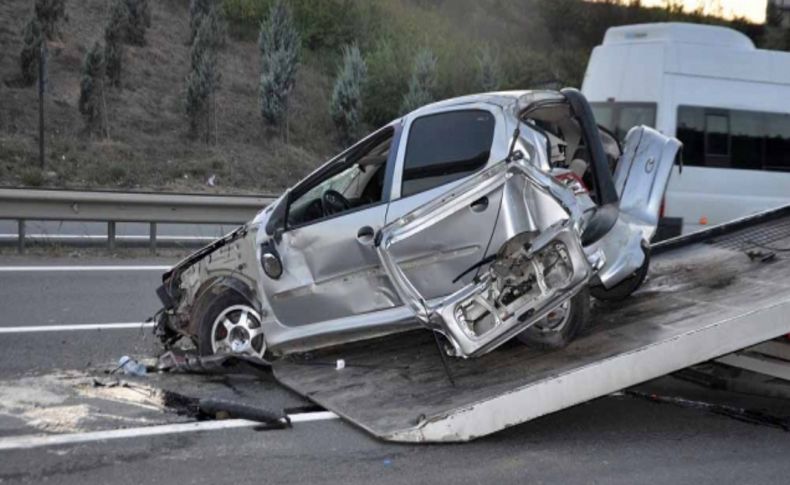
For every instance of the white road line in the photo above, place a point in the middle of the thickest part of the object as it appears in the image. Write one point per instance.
(38, 441)
(20, 269)
(78, 326)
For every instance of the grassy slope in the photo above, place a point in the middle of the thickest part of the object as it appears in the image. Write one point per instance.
(148, 146)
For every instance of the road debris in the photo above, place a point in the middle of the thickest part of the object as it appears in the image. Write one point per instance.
(175, 361)
(223, 409)
(131, 367)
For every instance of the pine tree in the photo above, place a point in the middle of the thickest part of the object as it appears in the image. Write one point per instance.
(489, 76)
(279, 46)
(204, 78)
(197, 10)
(31, 51)
(49, 13)
(346, 105)
(139, 18)
(113, 47)
(91, 103)
(422, 85)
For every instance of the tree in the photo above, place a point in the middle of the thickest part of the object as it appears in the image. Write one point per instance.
(346, 105)
(489, 74)
(139, 19)
(49, 13)
(387, 81)
(204, 78)
(197, 10)
(279, 46)
(113, 47)
(422, 85)
(91, 103)
(773, 16)
(32, 39)
(775, 37)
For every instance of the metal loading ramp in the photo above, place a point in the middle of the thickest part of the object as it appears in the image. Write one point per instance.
(707, 295)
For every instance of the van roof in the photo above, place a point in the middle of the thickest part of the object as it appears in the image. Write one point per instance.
(678, 32)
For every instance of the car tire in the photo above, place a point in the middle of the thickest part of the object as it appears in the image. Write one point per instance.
(625, 288)
(576, 319)
(228, 304)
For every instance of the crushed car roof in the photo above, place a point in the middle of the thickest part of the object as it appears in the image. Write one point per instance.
(520, 100)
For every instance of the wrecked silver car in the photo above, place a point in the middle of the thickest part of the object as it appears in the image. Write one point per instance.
(482, 218)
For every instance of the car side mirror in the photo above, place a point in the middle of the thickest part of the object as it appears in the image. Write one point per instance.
(275, 226)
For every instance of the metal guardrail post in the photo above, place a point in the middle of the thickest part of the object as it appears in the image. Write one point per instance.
(111, 235)
(20, 231)
(152, 237)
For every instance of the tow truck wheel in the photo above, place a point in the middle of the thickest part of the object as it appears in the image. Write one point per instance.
(561, 326)
(231, 326)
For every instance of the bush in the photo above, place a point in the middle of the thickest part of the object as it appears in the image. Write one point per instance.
(31, 51)
(215, 28)
(279, 45)
(387, 81)
(346, 104)
(113, 48)
(49, 13)
(139, 19)
(198, 9)
(204, 78)
(323, 24)
(91, 101)
(32, 177)
(422, 85)
(489, 75)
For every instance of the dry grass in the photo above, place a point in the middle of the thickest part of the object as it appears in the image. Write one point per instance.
(148, 146)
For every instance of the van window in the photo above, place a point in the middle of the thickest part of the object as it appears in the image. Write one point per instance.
(445, 147)
(621, 117)
(717, 135)
(750, 140)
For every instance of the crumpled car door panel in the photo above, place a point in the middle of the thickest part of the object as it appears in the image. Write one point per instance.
(533, 272)
(641, 179)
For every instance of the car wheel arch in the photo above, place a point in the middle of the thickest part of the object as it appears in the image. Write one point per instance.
(213, 287)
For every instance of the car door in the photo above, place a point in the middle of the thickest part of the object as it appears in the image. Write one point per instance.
(330, 267)
(439, 151)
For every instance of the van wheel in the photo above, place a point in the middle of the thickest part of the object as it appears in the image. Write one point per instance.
(561, 326)
(231, 325)
(625, 288)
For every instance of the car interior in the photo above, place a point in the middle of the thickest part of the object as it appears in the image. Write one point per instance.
(352, 182)
(568, 149)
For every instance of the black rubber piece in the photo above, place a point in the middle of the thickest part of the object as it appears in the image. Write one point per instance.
(604, 185)
(625, 288)
(214, 408)
(601, 222)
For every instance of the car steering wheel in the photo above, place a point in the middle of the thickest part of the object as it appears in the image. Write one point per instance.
(333, 202)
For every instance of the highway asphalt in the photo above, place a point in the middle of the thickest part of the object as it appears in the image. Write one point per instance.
(45, 387)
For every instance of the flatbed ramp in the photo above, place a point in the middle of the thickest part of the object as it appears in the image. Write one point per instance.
(707, 295)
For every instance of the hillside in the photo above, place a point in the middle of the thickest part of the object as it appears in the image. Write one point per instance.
(535, 41)
(148, 146)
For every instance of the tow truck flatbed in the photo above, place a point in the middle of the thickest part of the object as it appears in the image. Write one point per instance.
(707, 295)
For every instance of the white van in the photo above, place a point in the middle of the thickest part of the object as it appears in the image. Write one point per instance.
(728, 102)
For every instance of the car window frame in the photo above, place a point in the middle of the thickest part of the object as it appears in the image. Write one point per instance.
(329, 169)
(497, 152)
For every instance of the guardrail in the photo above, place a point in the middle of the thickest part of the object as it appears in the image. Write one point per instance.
(113, 207)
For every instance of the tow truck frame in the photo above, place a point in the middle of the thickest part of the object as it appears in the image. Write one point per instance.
(708, 294)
